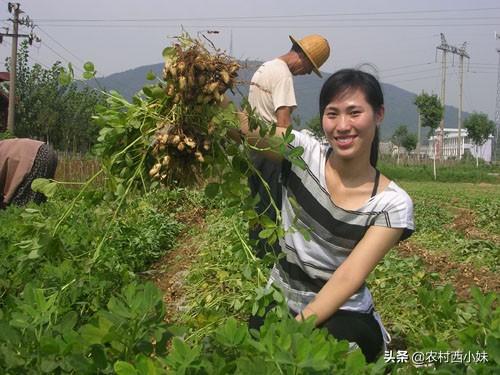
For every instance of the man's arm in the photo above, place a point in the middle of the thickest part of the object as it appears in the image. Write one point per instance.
(284, 117)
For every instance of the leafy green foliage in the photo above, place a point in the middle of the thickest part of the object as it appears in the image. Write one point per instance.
(410, 142)
(44, 186)
(401, 137)
(461, 172)
(6, 135)
(57, 314)
(62, 313)
(435, 216)
(282, 346)
(72, 301)
(479, 127)
(314, 125)
(53, 108)
(430, 109)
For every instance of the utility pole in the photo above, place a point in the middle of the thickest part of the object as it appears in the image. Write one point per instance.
(15, 10)
(445, 47)
(231, 44)
(462, 54)
(440, 138)
(496, 138)
(419, 127)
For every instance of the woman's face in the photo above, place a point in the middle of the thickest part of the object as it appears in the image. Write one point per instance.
(349, 123)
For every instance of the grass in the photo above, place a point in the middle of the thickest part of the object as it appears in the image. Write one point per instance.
(456, 172)
(460, 219)
(413, 303)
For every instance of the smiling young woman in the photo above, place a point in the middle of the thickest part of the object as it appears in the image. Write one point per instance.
(355, 215)
(351, 120)
(350, 123)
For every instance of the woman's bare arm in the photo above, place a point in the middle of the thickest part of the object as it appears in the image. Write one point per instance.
(351, 274)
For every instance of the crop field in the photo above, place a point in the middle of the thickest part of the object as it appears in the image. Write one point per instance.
(171, 287)
(140, 262)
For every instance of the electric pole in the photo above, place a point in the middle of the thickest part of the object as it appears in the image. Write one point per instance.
(419, 127)
(496, 138)
(15, 10)
(231, 44)
(462, 54)
(445, 47)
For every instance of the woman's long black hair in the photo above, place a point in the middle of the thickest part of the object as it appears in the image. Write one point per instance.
(353, 79)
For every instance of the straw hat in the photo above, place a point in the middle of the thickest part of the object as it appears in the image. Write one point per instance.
(316, 48)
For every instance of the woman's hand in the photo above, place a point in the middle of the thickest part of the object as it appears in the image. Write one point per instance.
(305, 313)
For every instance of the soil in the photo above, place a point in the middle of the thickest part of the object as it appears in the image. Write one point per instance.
(173, 268)
(461, 275)
(465, 222)
(171, 271)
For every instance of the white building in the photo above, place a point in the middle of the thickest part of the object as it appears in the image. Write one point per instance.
(450, 143)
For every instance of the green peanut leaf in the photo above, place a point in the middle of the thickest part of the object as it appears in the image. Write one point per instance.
(44, 186)
(124, 368)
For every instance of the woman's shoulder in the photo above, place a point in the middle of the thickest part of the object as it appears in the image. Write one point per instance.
(394, 208)
(394, 197)
(398, 190)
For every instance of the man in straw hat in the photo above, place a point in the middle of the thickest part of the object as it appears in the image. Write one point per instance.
(272, 97)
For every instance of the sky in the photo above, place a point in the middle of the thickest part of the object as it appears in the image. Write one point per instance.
(397, 37)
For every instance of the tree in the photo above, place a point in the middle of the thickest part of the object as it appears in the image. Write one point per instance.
(430, 109)
(49, 111)
(398, 137)
(402, 138)
(410, 142)
(431, 112)
(479, 128)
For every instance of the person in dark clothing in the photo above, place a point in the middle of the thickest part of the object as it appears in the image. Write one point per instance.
(23, 160)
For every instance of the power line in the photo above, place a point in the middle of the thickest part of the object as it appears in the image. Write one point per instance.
(62, 57)
(302, 16)
(169, 20)
(79, 59)
(284, 26)
(405, 66)
(415, 79)
(417, 72)
(473, 63)
(60, 45)
(477, 72)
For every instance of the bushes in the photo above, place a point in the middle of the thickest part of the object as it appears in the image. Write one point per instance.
(65, 310)
(452, 173)
(61, 308)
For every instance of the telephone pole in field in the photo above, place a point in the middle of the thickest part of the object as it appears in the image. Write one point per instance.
(461, 52)
(445, 47)
(496, 136)
(15, 10)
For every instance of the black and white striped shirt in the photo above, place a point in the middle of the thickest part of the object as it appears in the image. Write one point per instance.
(308, 265)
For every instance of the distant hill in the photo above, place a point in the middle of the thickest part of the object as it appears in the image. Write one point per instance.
(398, 102)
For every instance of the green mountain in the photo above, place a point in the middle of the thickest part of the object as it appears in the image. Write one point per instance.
(399, 107)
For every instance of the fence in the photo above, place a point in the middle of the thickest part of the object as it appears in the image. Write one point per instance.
(76, 167)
